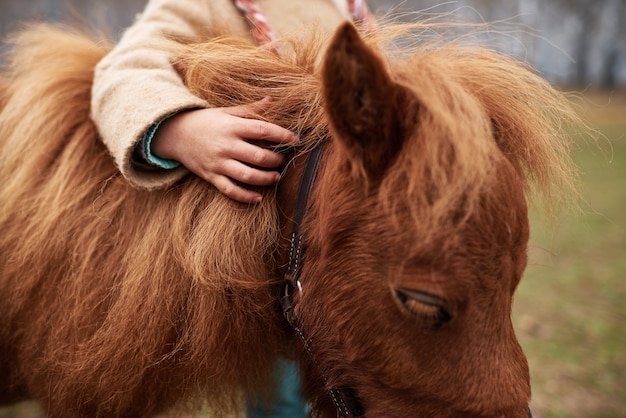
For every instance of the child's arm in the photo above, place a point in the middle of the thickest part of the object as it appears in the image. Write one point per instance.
(136, 87)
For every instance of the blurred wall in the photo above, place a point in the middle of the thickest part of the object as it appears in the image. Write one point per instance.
(111, 15)
(572, 42)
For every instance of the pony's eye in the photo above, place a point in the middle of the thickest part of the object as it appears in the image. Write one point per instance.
(424, 306)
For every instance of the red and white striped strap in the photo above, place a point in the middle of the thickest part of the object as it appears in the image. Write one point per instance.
(360, 13)
(262, 32)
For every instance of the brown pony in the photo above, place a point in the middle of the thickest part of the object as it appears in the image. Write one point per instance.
(125, 303)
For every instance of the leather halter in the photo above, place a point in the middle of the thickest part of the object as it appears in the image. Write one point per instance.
(344, 399)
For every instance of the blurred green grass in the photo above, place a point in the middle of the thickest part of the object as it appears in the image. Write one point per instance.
(570, 311)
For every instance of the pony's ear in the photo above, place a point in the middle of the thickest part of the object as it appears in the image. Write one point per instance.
(368, 112)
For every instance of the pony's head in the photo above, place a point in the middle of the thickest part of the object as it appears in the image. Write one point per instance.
(417, 231)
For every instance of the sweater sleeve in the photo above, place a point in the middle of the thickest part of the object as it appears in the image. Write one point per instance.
(143, 151)
(135, 86)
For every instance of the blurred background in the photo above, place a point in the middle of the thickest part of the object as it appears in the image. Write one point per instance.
(570, 309)
(577, 42)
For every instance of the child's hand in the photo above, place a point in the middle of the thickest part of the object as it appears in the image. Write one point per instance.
(213, 144)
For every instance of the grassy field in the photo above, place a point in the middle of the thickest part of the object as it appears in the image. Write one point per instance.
(570, 309)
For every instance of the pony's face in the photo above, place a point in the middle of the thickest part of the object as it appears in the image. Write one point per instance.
(414, 252)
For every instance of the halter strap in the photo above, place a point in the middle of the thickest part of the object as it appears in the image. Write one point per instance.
(344, 399)
(263, 33)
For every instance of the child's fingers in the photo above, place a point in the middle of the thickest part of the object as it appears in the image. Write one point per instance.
(227, 187)
(261, 130)
(255, 155)
(257, 129)
(250, 110)
(249, 175)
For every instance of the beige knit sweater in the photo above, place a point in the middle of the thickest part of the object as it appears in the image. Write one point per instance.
(135, 86)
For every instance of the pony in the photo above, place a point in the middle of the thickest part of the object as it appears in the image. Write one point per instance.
(128, 303)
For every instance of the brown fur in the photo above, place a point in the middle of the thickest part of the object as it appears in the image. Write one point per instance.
(125, 302)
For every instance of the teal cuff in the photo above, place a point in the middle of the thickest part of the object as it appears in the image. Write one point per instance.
(147, 143)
